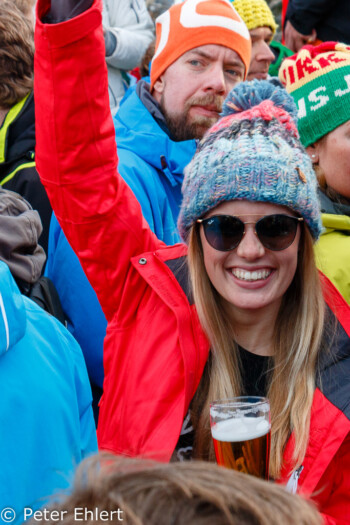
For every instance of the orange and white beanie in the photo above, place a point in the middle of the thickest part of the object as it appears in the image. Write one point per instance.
(195, 23)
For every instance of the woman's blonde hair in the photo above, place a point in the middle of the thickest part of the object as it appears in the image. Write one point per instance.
(297, 340)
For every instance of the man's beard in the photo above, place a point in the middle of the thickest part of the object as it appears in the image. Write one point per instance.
(184, 127)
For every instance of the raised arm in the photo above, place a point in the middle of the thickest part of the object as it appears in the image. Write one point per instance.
(76, 151)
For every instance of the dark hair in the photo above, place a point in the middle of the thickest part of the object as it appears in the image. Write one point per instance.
(147, 57)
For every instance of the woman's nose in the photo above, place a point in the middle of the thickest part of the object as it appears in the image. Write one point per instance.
(250, 246)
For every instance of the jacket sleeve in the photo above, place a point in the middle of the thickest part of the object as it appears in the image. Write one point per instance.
(336, 502)
(76, 153)
(304, 15)
(133, 29)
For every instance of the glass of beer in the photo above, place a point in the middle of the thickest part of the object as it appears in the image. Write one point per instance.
(241, 431)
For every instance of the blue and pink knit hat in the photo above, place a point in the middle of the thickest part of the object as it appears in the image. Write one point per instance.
(253, 153)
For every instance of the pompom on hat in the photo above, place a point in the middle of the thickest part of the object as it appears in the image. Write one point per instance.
(255, 13)
(252, 153)
(196, 23)
(318, 78)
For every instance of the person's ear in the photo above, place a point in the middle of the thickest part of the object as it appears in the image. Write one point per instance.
(158, 88)
(313, 152)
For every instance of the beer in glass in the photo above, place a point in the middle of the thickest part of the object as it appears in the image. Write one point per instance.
(241, 432)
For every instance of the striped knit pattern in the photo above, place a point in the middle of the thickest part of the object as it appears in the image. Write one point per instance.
(255, 13)
(318, 78)
(252, 153)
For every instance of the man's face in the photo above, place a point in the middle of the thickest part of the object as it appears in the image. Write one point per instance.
(192, 89)
(262, 56)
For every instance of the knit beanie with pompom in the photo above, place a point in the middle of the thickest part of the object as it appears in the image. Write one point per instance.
(318, 78)
(252, 153)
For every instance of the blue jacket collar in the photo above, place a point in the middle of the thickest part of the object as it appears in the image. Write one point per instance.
(138, 131)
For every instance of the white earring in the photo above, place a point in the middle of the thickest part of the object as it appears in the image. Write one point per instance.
(313, 155)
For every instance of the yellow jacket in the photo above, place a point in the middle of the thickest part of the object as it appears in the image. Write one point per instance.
(333, 249)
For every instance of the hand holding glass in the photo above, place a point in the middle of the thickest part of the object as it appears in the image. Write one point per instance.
(241, 432)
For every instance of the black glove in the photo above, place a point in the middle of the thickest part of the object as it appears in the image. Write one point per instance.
(62, 10)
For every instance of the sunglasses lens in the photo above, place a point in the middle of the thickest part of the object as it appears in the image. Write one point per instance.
(276, 232)
(223, 232)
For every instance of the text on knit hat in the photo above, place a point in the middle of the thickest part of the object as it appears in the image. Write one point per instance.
(318, 78)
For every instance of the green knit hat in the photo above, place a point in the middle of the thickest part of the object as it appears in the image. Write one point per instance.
(318, 78)
(281, 52)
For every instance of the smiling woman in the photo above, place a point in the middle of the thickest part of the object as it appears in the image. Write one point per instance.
(260, 270)
(254, 277)
(182, 318)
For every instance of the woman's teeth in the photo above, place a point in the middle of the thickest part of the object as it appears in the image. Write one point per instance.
(256, 275)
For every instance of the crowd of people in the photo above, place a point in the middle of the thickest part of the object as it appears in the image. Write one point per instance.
(175, 193)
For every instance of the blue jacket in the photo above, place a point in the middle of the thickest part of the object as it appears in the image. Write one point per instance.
(152, 165)
(86, 321)
(46, 419)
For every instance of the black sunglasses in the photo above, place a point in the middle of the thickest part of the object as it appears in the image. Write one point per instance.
(275, 232)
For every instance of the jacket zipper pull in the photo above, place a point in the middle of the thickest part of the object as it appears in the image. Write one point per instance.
(292, 485)
(30, 155)
(166, 170)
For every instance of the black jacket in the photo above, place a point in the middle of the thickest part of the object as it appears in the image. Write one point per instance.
(17, 161)
(330, 18)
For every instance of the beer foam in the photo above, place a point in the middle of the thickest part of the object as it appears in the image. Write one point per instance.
(240, 429)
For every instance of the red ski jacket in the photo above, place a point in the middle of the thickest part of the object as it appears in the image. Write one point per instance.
(155, 349)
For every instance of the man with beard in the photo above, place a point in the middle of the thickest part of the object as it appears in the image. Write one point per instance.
(202, 50)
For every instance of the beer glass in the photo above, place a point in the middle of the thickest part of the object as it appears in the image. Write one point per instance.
(241, 431)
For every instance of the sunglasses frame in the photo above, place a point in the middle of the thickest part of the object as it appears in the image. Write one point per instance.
(203, 221)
